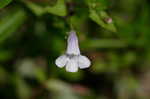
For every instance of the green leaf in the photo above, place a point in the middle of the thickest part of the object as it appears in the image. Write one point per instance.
(98, 4)
(102, 19)
(103, 43)
(59, 8)
(4, 76)
(99, 66)
(37, 9)
(11, 22)
(4, 3)
(5, 55)
(128, 84)
(29, 68)
(22, 88)
(60, 90)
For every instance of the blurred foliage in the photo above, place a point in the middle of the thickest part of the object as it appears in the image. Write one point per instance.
(4, 3)
(11, 22)
(115, 35)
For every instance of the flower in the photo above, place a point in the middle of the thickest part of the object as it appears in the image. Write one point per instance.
(73, 59)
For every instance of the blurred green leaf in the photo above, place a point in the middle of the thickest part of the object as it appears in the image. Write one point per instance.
(79, 22)
(114, 62)
(58, 9)
(129, 58)
(99, 66)
(58, 45)
(102, 19)
(126, 86)
(129, 6)
(22, 88)
(3, 75)
(37, 9)
(71, 76)
(26, 68)
(31, 69)
(40, 74)
(5, 55)
(103, 43)
(98, 4)
(11, 22)
(60, 90)
(4, 3)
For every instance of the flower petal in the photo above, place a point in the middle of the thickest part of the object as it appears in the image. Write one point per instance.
(83, 62)
(73, 46)
(72, 65)
(61, 61)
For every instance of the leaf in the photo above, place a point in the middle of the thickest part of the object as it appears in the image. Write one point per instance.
(22, 88)
(4, 76)
(38, 10)
(58, 9)
(103, 20)
(99, 66)
(5, 55)
(60, 90)
(103, 43)
(4, 3)
(98, 4)
(128, 84)
(29, 68)
(11, 22)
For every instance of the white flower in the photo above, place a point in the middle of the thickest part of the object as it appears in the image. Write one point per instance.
(73, 59)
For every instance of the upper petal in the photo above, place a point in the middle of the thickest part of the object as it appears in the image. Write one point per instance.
(83, 62)
(73, 47)
(61, 61)
(72, 65)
